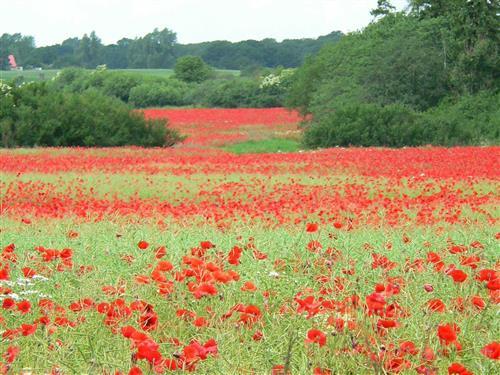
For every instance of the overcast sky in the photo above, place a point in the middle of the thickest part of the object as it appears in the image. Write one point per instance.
(52, 21)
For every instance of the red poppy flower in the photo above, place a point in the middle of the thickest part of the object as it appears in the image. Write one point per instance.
(316, 336)
(492, 350)
(148, 350)
(436, 305)
(375, 302)
(458, 369)
(200, 322)
(259, 255)
(447, 333)
(458, 276)
(493, 284)
(204, 289)
(408, 347)
(478, 302)
(8, 303)
(234, 255)
(321, 371)
(135, 371)
(148, 321)
(5, 272)
(205, 245)
(279, 370)
(164, 266)
(257, 336)
(249, 287)
(11, 354)
(143, 245)
(311, 227)
(396, 365)
(24, 307)
(28, 329)
(386, 323)
(487, 275)
(28, 272)
(160, 252)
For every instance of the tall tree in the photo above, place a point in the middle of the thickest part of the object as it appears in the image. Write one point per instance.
(474, 53)
(18, 45)
(384, 7)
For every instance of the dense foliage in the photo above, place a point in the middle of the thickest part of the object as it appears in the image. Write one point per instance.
(192, 69)
(266, 89)
(159, 49)
(430, 76)
(39, 114)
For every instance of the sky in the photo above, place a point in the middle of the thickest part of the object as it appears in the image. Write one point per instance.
(52, 21)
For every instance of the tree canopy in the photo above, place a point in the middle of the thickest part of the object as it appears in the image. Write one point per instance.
(437, 54)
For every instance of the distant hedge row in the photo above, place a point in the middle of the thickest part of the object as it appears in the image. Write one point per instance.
(39, 114)
(142, 91)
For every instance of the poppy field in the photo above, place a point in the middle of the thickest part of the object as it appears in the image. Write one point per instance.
(212, 127)
(194, 259)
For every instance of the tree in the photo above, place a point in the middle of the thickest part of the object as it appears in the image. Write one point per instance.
(154, 50)
(18, 45)
(397, 59)
(474, 52)
(384, 7)
(192, 69)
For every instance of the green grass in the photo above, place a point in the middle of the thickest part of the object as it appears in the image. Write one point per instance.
(265, 146)
(29, 75)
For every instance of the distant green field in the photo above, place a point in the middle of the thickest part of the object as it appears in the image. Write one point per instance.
(28, 75)
(41, 75)
(265, 146)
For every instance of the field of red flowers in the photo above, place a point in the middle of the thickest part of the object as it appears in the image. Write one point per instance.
(193, 259)
(216, 127)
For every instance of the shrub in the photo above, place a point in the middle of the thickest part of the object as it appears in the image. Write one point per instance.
(41, 115)
(118, 84)
(69, 76)
(192, 69)
(169, 93)
(233, 93)
(365, 125)
(468, 120)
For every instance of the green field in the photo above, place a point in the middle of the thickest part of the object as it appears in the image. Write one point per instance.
(41, 75)
(265, 146)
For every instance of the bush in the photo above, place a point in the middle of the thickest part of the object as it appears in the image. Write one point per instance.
(118, 84)
(365, 125)
(41, 115)
(192, 69)
(233, 93)
(170, 93)
(468, 120)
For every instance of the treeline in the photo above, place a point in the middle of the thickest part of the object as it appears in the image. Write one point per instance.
(429, 75)
(159, 49)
